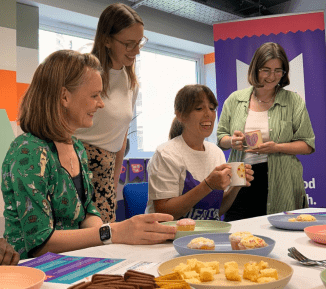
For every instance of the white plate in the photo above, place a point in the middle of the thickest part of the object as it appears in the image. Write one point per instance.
(222, 245)
(282, 222)
(284, 271)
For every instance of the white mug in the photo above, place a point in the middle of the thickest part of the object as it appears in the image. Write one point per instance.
(238, 174)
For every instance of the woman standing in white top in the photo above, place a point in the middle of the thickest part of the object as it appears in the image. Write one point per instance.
(119, 37)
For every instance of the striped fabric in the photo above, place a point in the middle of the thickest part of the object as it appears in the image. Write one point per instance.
(288, 121)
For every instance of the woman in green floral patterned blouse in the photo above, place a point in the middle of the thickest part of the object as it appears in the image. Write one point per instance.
(46, 183)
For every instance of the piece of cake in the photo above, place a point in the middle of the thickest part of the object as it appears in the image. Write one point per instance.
(215, 265)
(206, 274)
(251, 242)
(201, 244)
(231, 271)
(236, 237)
(306, 218)
(190, 275)
(265, 279)
(270, 272)
(251, 271)
(186, 225)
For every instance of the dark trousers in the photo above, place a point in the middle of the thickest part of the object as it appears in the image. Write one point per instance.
(251, 201)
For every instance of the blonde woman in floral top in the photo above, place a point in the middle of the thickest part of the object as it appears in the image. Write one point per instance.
(46, 183)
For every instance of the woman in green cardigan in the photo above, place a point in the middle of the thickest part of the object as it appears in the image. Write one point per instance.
(283, 119)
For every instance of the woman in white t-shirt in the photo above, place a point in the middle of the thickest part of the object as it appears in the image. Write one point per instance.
(188, 175)
(119, 37)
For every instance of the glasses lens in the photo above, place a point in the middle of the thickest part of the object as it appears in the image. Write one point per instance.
(142, 42)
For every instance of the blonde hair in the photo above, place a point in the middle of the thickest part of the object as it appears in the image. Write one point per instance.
(264, 53)
(113, 19)
(41, 112)
(185, 102)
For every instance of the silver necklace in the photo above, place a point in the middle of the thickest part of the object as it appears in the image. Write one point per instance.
(72, 167)
(261, 100)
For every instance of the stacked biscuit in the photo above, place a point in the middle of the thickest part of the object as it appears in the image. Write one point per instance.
(133, 280)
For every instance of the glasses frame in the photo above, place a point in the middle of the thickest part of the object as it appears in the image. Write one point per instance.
(271, 71)
(144, 39)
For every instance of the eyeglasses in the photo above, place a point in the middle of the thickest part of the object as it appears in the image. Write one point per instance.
(267, 72)
(132, 45)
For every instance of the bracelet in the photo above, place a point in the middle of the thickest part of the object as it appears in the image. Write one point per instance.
(208, 185)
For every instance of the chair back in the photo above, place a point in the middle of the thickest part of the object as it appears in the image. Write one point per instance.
(135, 196)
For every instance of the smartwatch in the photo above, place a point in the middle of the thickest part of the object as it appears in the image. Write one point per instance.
(105, 234)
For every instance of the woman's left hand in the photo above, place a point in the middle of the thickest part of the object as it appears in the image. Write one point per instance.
(264, 148)
(249, 175)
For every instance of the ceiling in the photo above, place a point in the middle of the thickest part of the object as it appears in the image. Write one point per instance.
(212, 11)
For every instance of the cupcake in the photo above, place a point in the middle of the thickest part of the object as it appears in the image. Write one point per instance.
(235, 238)
(186, 225)
(251, 242)
(201, 244)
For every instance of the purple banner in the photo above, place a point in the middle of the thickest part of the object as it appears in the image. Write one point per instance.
(136, 170)
(123, 172)
(307, 50)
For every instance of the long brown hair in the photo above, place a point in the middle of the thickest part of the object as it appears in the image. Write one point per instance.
(113, 19)
(185, 102)
(41, 112)
(264, 53)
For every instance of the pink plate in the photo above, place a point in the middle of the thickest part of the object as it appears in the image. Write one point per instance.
(316, 233)
(20, 277)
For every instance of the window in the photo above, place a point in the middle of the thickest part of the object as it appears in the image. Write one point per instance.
(161, 76)
(50, 42)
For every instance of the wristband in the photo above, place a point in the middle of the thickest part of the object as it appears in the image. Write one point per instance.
(208, 185)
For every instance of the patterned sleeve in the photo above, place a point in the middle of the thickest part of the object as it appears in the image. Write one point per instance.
(26, 188)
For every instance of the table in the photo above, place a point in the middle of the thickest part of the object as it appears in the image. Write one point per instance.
(303, 277)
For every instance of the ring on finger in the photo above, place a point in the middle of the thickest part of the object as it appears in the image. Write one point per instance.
(238, 142)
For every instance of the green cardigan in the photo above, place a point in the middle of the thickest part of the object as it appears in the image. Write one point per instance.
(288, 120)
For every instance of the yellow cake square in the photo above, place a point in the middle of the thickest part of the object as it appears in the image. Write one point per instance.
(232, 271)
(269, 273)
(206, 274)
(265, 279)
(200, 265)
(192, 264)
(214, 265)
(251, 271)
(190, 274)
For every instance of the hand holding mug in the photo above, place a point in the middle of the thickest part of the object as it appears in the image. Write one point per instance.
(219, 178)
(237, 140)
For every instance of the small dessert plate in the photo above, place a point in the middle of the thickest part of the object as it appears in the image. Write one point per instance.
(282, 222)
(316, 233)
(222, 245)
(202, 226)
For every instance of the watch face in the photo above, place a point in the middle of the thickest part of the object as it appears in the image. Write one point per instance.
(105, 233)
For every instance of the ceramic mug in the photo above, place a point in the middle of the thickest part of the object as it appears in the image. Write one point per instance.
(238, 174)
(253, 139)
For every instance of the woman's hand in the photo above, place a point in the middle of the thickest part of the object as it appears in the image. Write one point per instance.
(265, 148)
(8, 256)
(237, 140)
(249, 175)
(143, 229)
(219, 178)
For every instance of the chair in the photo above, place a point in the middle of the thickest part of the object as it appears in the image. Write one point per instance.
(135, 196)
